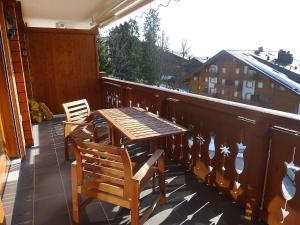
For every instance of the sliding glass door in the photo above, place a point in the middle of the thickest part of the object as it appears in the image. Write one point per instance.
(3, 169)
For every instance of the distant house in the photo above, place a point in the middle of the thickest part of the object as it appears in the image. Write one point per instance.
(174, 68)
(247, 78)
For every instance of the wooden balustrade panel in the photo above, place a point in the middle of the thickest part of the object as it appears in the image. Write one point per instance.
(220, 149)
(282, 193)
(227, 144)
(145, 100)
(112, 95)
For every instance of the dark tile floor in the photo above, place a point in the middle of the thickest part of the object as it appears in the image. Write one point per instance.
(38, 192)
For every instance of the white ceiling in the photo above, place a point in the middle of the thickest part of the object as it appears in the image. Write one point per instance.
(76, 13)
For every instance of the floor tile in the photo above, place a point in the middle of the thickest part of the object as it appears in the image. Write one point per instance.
(49, 209)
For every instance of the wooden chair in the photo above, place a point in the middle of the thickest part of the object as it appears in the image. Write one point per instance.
(81, 124)
(106, 173)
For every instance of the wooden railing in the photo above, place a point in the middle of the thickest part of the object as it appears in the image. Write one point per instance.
(249, 153)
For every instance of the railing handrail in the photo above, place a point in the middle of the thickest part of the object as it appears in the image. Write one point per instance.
(239, 109)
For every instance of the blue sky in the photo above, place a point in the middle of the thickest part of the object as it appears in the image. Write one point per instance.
(212, 25)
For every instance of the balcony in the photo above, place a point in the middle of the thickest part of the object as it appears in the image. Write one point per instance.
(238, 164)
(42, 192)
(235, 165)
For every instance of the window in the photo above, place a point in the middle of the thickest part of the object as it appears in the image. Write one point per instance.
(245, 69)
(260, 85)
(236, 83)
(195, 78)
(248, 96)
(212, 85)
(199, 87)
(223, 82)
(237, 70)
(213, 69)
(206, 79)
(223, 70)
(235, 94)
(281, 88)
(222, 92)
(249, 84)
(251, 72)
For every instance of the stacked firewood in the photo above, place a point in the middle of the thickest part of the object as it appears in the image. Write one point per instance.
(39, 111)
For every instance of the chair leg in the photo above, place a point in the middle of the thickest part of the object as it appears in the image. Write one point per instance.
(135, 205)
(153, 182)
(66, 145)
(75, 199)
(161, 170)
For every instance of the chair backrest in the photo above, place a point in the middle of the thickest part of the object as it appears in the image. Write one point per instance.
(103, 168)
(76, 111)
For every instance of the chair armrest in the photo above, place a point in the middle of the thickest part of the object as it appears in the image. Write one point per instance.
(75, 123)
(142, 172)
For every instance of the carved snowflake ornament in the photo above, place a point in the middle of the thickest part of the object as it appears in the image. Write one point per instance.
(225, 150)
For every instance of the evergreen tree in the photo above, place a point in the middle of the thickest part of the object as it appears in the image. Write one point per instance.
(104, 60)
(151, 62)
(126, 51)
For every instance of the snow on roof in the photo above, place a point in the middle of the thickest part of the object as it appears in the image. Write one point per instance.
(202, 59)
(267, 70)
(271, 56)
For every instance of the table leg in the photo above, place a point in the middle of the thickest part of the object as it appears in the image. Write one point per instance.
(112, 134)
(153, 145)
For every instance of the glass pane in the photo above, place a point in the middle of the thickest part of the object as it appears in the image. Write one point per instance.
(1, 139)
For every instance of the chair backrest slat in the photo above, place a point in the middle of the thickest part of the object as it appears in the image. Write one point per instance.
(105, 170)
(101, 148)
(105, 162)
(77, 110)
(78, 114)
(104, 155)
(104, 177)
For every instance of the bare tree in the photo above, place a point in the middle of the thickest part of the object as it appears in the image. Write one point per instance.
(185, 49)
(164, 41)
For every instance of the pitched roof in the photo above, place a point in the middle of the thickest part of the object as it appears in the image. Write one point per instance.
(278, 75)
(267, 70)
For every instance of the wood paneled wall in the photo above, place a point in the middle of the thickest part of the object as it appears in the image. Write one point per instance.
(63, 66)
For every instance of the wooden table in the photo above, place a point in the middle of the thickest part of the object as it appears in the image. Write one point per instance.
(138, 124)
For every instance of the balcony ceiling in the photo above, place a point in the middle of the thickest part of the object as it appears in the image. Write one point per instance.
(81, 14)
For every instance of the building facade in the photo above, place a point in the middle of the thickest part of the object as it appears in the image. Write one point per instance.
(234, 76)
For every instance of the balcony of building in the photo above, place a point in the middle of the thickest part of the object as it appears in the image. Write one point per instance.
(237, 164)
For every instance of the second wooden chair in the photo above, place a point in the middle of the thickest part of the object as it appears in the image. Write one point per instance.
(107, 173)
(82, 124)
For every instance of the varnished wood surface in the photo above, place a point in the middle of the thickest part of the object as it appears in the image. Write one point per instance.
(63, 66)
(138, 124)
